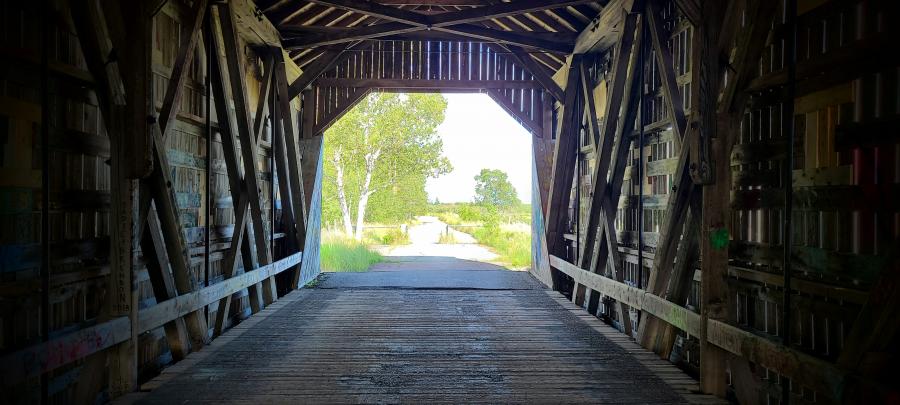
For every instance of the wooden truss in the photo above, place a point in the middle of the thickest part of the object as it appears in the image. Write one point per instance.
(543, 62)
(339, 79)
(115, 40)
(698, 204)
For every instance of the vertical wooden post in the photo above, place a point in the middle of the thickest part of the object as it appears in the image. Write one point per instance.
(715, 212)
(542, 147)
(123, 299)
(224, 19)
(563, 169)
(94, 36)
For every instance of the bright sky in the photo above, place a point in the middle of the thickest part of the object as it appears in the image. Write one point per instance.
(478, 134)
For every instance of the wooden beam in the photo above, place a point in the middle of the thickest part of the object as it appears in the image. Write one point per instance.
(504, 102)
(247, 141)
(255, 29)
(292, 187)
(291, 134)
(290, 213)
(602, 32)
(152, 240)
(315, 37)
(523, 58)
(163, 192)
(121, 306)
(500, 10)
(238, 184)
(601, 247)
(542, 147)
(679, 199)
(802, 368)
(175, 87)
(356, 95)
(240, 241)
(564, 159)
(508, 37)
(262, 100)
(324, 62)
(425, 84)
(304, 37)
(679, 287)
(603, 143)
(127, 26)
(666, 71)
(454, 21)
(378, 11)
(156, 260)
(875, 330)
(60, 351)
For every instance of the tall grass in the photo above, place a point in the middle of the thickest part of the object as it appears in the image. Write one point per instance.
(344, 254)
(391, 236)
(514, 248)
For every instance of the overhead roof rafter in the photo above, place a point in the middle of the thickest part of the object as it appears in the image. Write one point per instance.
(458, 22)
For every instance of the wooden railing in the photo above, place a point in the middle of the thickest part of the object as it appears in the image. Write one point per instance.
(807, 370)
(44, 357)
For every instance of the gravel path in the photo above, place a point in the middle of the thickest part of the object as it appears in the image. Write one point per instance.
(424, 251)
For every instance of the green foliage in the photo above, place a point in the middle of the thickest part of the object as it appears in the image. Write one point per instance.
(450, 218)
(386, 236)
(392, 140)
(514, 248)
(395, 236)
(343, 254)
(471, 213)
(492, 187)
(398, 203)
(491, 217)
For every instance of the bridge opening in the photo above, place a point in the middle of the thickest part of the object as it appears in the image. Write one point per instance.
(405, 187)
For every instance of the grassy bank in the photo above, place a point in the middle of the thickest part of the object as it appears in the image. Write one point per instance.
(344, 254)
(514, 248)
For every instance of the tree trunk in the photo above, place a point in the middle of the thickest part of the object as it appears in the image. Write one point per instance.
(342, 197)
(365, 193)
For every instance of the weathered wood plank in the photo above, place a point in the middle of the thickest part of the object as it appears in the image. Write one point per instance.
(800, 367)
(399, 84)
(564, 159)
(237, 186)
(248, 143)
(77, 345)
(175, 88)
(603, 139)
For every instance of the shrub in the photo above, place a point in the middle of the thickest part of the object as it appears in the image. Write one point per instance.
(469, 213)
(395, 236)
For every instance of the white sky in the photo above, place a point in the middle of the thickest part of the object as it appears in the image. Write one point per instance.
(478, 134)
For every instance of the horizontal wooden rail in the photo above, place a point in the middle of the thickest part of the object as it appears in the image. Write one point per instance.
(802, 368)
(426, 84)
(44, 357)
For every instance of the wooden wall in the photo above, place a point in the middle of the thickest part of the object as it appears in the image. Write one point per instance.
(844, 179)
(80, 197)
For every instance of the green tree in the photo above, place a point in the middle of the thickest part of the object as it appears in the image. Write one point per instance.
(492, 187)
(382, 151)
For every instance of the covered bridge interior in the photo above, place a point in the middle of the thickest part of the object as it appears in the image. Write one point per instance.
(715, 187)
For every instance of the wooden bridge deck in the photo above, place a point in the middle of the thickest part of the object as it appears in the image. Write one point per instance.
(489, 336)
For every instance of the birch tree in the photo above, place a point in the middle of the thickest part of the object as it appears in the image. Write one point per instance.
(382, 144)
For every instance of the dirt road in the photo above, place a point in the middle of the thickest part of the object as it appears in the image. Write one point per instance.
(424, 251)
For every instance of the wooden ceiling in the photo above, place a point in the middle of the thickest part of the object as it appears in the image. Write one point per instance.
(546, 29)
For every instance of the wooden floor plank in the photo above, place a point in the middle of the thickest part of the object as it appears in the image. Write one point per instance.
(365, 345)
